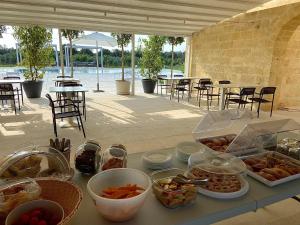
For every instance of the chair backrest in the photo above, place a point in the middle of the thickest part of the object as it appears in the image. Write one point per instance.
(51, 103)
(12, 78)
(224, 82)
(184, 82)
(177, 75)
(70, 84)
(6, 87)
(247, 91)
(162, 76)
(205, 82)
(268, 91)
(63, 76)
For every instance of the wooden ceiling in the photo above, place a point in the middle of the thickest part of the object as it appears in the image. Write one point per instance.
(165, 17)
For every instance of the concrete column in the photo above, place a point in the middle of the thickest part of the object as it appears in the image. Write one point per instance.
(133, 64)
(187, 62)
(61, 53)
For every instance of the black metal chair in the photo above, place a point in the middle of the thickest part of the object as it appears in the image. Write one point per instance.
(18, 90)
(57, 83)
(7, 94)
(77, 99)
(261, 98)
(63, 104)
(242, 99)
(162, 83)
(183, 85)
(201, 86)
(210, 93)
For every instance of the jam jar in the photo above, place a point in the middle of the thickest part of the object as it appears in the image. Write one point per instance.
(114, 157)
(87, 157)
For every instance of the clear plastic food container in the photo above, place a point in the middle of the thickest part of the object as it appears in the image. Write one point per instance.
(170, 193)
(14, 193)
(87, 157)
(113, 157)
(34, 162)
(223, 172)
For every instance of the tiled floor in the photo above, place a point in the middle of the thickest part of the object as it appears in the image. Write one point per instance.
(141, 123)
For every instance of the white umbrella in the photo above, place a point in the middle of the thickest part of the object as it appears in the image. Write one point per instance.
(97, 39)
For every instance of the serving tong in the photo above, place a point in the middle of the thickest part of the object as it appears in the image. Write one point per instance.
(181, 179)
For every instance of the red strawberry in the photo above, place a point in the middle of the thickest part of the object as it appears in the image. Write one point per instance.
(34, 221)
(42, 222)
(24, 219)
(36, 213)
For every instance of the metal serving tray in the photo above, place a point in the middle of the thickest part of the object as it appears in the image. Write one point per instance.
(276, 182)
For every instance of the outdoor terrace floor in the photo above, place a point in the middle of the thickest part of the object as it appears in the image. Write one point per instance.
(141, 123)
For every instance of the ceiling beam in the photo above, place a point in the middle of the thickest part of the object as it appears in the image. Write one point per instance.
(13, 20)
(79, 19)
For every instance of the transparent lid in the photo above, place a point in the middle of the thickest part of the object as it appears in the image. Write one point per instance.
(216, 162)
(259, 134)
(35, 162)
(222, 122)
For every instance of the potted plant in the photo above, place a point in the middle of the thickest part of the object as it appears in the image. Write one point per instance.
(174, 41)
(123, 86)
(36, 50)
(70, 35)
(151, 62)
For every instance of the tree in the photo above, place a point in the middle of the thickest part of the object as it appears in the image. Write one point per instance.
(151, 61)
(70, 35)
(123, 40)
(36, 49)
(174, 41)
(2, 30)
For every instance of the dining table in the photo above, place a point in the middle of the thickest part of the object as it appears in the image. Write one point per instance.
(205, 211)
(225, 87)
(68, 91)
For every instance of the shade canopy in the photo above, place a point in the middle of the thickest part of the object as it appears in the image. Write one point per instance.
(164, 17)
(96, 39)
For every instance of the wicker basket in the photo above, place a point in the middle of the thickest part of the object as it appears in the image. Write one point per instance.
(64, 193)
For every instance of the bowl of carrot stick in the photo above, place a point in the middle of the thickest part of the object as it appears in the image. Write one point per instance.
(118, 194)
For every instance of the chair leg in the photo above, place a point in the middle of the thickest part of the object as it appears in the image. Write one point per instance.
(15, 108)
(82, 126)
(258, 109)
(178, 96)
(79, 125)
(54, 127)
(207, 99)
(22, 94)
(272, 107)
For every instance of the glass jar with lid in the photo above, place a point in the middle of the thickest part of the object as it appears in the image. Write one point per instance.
(114, 157)
(87, 157)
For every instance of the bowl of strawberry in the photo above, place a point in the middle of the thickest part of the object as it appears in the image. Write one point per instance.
(37, 212)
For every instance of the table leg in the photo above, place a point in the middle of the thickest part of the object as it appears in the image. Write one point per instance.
(222, 100)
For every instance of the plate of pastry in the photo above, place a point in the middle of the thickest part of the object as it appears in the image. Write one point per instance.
(272, 168)
(221, 186)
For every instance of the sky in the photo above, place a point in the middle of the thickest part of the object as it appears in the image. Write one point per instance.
(9, 41)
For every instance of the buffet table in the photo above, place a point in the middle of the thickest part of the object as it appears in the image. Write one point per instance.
(205, 211)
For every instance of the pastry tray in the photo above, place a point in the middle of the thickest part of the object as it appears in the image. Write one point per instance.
(220, 195)
(241, 151)
(276, 182)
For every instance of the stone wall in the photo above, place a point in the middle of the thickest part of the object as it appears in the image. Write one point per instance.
(245, 49)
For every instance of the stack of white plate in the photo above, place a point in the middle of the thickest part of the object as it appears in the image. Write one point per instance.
(157, 160)
(185, 149)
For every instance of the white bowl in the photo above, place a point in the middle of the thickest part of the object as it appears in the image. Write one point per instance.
(157, 160)
(185, 149)
(118, 209)
(51, 206)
